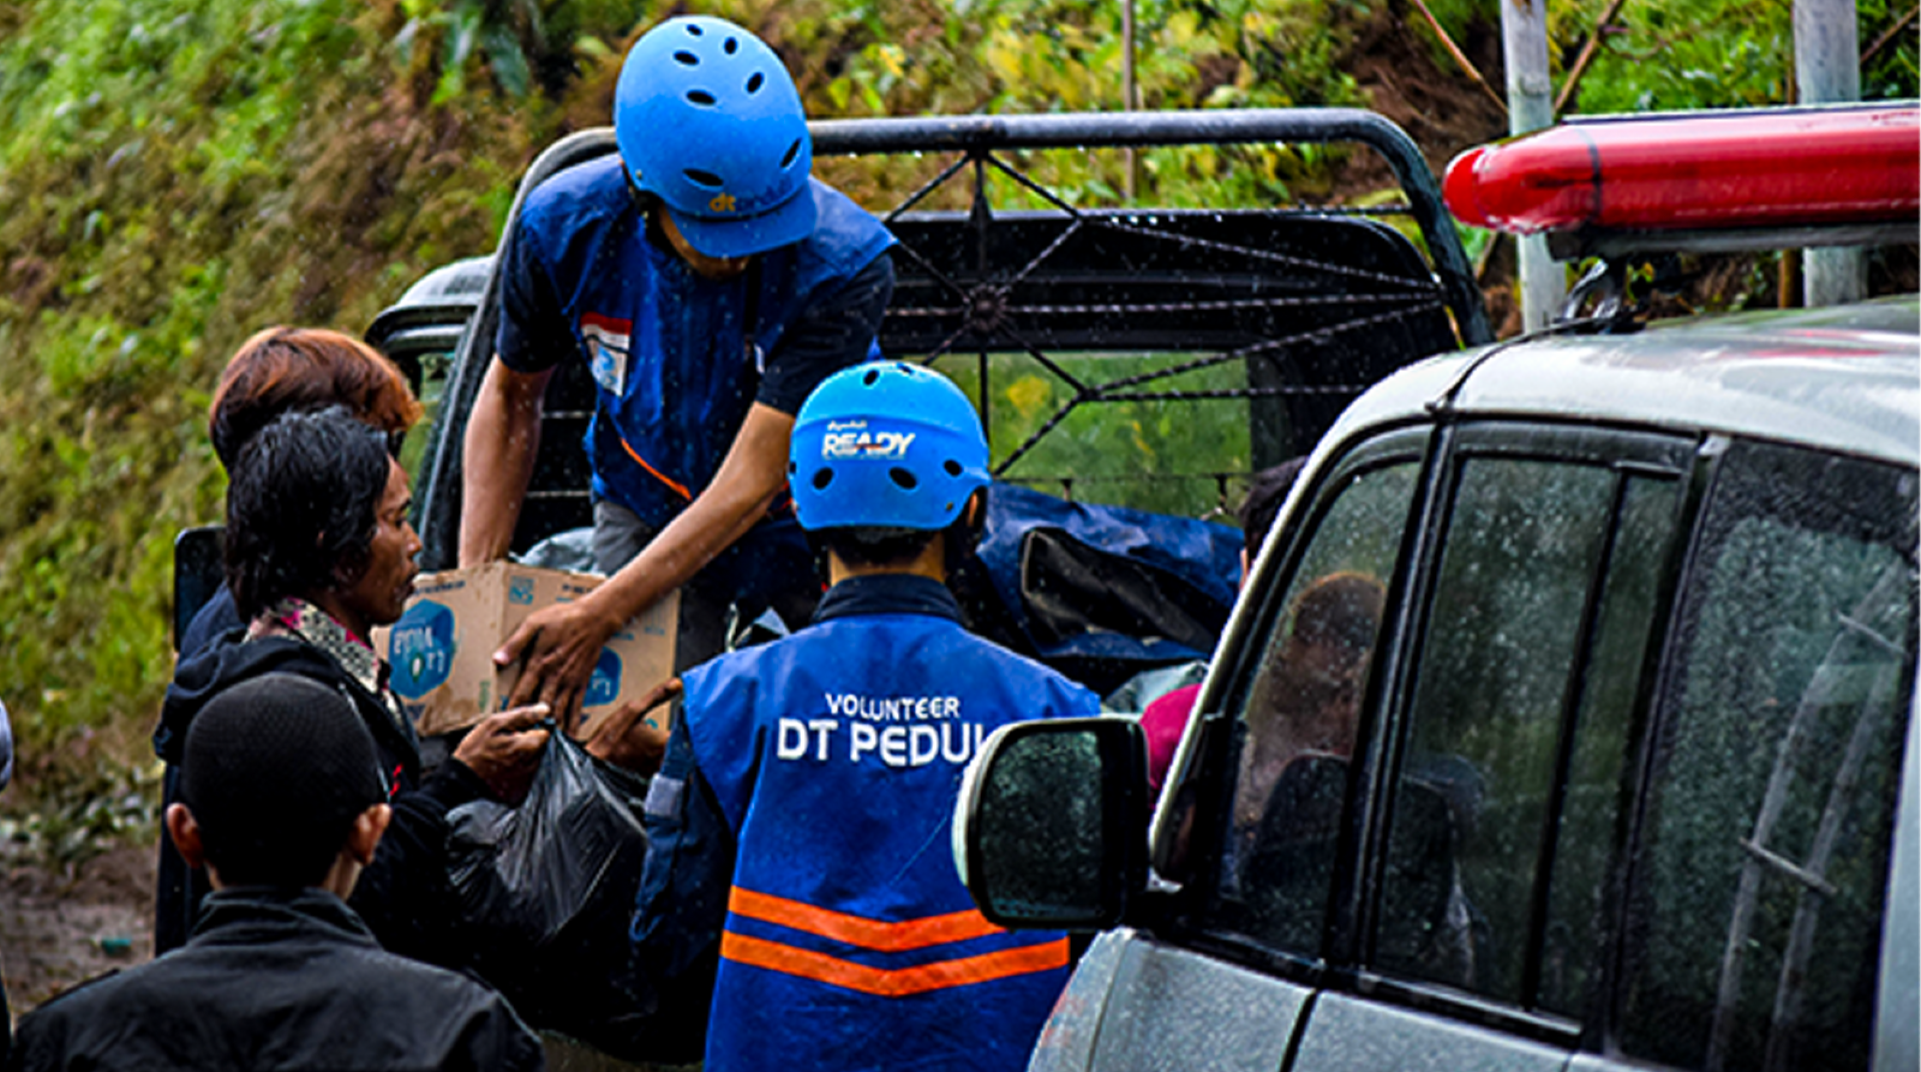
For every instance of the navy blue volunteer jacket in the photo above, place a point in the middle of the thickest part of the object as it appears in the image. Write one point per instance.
(678, 359)
(802, 824)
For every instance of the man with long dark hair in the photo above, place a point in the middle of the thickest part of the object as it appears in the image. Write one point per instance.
(319, 552)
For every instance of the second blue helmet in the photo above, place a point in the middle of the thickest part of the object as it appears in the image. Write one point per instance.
(885, 444)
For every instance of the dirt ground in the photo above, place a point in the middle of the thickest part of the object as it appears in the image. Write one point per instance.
(57, 930)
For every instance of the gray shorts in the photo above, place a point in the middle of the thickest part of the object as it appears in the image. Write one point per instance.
(706, 608)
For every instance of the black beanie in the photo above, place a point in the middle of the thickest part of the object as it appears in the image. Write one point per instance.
(274, 770)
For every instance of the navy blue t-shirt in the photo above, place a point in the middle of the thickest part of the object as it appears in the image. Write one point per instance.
(678, 359)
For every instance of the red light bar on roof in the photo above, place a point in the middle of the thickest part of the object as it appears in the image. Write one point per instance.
(1783, 168)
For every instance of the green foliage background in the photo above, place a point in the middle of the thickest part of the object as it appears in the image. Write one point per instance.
(175, 174)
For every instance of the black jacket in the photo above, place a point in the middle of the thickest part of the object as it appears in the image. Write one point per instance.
(404, 895)
(214, 618)
(277, 979)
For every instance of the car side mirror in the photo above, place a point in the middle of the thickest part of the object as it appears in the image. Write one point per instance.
(1050, 830)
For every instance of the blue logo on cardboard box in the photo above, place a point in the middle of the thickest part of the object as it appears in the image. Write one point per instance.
(520, 590)
(421, 648)
(604, 685)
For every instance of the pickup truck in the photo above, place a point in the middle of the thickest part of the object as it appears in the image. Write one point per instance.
(1285, 312)
(1288, 312)
(1627, 771)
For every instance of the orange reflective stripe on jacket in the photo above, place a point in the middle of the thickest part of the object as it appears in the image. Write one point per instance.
(893, 982)
(857, 930)
(880, 936)
(782, 502)
(676, 486)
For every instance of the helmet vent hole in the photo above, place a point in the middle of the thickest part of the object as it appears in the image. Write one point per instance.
(903, 479)
(792, 152)
(731, 46)
(703, 178)
(754, 81)
(701, 96)
(686, 58)
(792, 468)
(694, 30)
(872, 375)
(822, 478)
(953, 467)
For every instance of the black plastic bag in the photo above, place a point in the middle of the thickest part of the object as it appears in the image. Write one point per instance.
(546, 890)
(530, 870)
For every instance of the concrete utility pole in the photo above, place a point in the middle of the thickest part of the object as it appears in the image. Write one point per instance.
(1530, 106)
(1827, 69)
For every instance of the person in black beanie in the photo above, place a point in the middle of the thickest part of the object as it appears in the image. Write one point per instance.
(284, 803)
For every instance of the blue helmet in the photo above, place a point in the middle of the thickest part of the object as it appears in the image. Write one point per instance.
(885, 444)
(708, 120)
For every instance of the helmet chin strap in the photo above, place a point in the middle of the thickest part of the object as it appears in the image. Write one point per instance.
(823, 562)
(964, 535)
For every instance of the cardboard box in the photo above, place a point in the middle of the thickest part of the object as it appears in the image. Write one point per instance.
(441, 650)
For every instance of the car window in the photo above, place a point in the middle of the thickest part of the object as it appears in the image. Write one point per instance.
(1521, 552)
(1503, 823)
(1591, 795)
(1756, 899)
(1296, 722)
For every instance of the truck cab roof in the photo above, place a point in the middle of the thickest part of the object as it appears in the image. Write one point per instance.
(1840, 378)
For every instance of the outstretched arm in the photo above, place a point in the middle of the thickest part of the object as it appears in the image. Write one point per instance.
(503, 437)
(560, 643)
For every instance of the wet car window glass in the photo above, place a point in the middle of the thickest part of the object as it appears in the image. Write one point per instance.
(1584, 844)
(1755, 912)
(1299, 718)
(1525, 543)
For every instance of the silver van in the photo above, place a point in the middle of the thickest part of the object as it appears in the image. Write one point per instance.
(1566, 722)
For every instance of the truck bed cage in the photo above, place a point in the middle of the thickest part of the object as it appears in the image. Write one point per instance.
(1315, 304)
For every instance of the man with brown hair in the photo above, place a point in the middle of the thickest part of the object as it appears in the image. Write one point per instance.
(295, 370)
